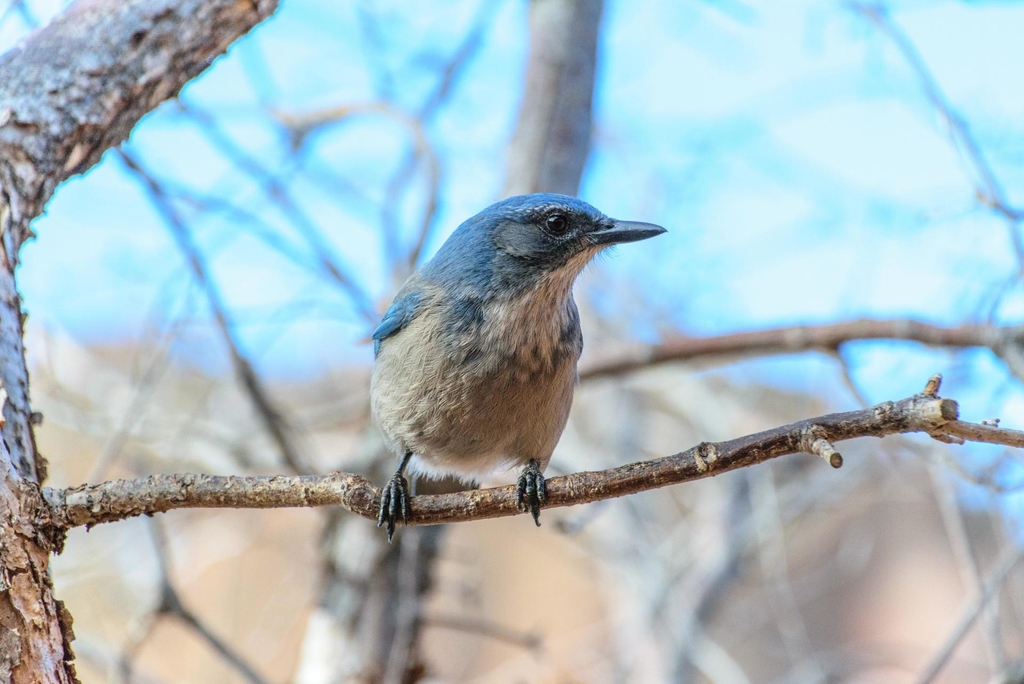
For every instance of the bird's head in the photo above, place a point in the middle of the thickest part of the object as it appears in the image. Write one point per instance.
(550, 231)
(523, 240)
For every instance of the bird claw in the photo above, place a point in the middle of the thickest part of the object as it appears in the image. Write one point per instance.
(394, 502)
(531, 491)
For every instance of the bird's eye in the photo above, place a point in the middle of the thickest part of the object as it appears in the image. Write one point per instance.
(556, 224)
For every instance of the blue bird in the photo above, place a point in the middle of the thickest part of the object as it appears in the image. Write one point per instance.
(476, 357)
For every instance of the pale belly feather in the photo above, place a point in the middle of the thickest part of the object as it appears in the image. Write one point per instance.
(474, 414)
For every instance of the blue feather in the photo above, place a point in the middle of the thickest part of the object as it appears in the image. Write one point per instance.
(398, 315)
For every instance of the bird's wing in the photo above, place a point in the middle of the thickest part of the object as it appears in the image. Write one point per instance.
(401, 311)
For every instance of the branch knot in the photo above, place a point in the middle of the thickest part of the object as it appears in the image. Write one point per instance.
(705, 456)
(813, 440)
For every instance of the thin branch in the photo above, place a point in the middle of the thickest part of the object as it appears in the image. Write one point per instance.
(172, 605)
(488, 629)
(988, 190)
(374, 49)
(255, 224)
(449, 75)
(953, 519)
(300, 126)
(1007, 342)
(278, 192)
(222, 648)
(790, 340)
(402, 657)
(273, 421)
(143, 392)
(981, 432)
(120, 499)
(782, 601)
(62, 112)
(716, 576)
(19, 6)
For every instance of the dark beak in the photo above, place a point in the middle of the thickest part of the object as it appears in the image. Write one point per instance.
(625, 231)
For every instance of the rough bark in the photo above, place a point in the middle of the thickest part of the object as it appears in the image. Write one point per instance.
(77, 87)
(35, 629)
(69, 92)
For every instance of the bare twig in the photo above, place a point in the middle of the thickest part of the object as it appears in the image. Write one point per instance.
(280, 195)
(1006, 342)
(255, 224)
(19, 6)
(143, 392)
(715, 577)
(224, 650)
(953, 519)
(979, 432)
(273, 421)
(119, 499)
(790, 340)
(372, 42)
(988, 190)
(449, 75)
(814, 442)
(401, 652)
(782, 601)
(489, 629)
(172, 605)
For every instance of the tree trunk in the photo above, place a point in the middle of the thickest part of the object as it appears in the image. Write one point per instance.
(68, 93)
(35, 629)
(552, 139)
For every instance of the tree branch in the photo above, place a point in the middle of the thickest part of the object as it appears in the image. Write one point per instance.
(988, 189)
(76, 88)
(109, 501)
(1006, 342)
(552, 138)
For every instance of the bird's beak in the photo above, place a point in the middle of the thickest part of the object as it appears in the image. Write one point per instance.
(625, 231)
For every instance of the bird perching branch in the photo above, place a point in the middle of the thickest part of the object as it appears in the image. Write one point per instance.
(925, 412)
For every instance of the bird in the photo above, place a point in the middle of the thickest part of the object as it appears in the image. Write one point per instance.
(476, 358)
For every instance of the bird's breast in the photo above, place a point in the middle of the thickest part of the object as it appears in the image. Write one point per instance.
(494, 389)
(531, 335)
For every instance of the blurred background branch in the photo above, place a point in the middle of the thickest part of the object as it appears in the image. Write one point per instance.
(839, 183)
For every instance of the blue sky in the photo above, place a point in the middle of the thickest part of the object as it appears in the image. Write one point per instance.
(787, 147)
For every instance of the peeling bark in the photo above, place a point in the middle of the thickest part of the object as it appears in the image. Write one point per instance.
(35, 629)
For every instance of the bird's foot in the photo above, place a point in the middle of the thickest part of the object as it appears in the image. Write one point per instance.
(531, 492)
(394, 502)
